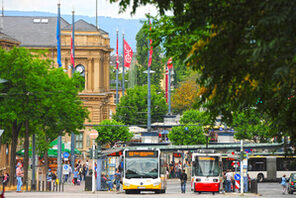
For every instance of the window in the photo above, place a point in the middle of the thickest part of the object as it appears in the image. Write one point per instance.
(286, 164)
(114, 98)
(257, 164)
(79, 141)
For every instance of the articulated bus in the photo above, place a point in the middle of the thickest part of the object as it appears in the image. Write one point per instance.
(144, 170)
(266, 166)
(206, 172)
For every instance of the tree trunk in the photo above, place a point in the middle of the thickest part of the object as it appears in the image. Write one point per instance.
(45, 160)
(26, 153)
(15, 132)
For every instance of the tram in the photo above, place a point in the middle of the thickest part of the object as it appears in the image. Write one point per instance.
(144, 170)
(206, 172)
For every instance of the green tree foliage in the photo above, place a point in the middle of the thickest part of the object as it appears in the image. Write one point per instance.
(196, 116)
(194, 135)
(142, 60)
(34, 92)
(132, 108)
(244, 50)
(251, 125)
(112, 133)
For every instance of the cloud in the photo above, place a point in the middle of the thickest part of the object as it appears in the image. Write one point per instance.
(81, 7)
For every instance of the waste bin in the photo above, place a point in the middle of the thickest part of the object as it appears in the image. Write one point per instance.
(254, 186)
(88, 183)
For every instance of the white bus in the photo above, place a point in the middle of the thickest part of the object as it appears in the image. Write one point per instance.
(144, 170)
(266, 166)
(206, 172)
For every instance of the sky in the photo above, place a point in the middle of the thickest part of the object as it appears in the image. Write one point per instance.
(81, 7)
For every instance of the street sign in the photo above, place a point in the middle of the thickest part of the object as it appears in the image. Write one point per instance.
(66, 168)
(66, 154)
(237, 176)
(1, 132)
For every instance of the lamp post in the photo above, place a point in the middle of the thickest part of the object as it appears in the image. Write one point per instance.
(149, 98)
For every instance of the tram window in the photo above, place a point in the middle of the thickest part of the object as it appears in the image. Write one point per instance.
(286, 164)
(257, 164)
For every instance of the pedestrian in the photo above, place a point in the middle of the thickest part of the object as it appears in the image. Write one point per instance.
(5, 182)
(49, 179)
(70, 174)
(228, 177)
(75, 176)
(19, 176)
(117, 179)
(284, 184)
(183, 179)
(84, 171)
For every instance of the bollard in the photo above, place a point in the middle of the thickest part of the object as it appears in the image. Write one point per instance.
(43, 186)
(56, 187)
(59, 187)
(63, 187)
(39, 184)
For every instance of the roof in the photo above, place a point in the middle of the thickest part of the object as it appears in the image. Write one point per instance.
(5, 37)
(32, 31)
(82, 25)
(36, 31)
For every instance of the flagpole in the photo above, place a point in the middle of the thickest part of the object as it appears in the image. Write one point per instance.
(73, 71)
(60, 64)
(149, 90)
(123, 64)
(169, 94)
(117, 67)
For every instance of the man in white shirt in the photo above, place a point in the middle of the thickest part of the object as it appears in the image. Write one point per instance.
(229, 177)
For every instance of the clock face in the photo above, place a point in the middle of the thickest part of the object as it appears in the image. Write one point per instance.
(80, 69)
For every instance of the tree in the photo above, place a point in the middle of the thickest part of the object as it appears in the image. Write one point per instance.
(244, 50)
(35, 92)
(190, 135)
(195, 116)
(185, 96)
(187, 135)
(251, 125)
(142, 60)
(110, 132)
(132, 108)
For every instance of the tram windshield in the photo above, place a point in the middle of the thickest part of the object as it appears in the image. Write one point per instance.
(206, 166)
(141, 167)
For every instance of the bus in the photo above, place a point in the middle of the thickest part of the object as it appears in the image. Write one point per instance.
(266, 166)
(206, 172)
(144, 170)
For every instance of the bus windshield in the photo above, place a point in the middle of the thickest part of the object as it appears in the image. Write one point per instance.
(206, 166)
(141, 167)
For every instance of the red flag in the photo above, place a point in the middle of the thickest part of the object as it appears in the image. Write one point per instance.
(128, 54)
(117, 60)
(151, 50)
(72, 50)
(170, 63)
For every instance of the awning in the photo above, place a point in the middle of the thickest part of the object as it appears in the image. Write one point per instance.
(164, 132)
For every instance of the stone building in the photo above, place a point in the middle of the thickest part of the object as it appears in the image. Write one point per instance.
(92, 56)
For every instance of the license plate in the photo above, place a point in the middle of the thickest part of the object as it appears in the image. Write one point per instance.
(141, 187)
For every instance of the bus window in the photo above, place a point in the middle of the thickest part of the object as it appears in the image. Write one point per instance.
(257, 164)
(286, 164)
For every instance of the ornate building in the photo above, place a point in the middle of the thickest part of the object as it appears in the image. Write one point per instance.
(92, 58)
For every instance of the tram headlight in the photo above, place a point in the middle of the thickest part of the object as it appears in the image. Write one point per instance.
(198, 180)
(215, 180)
(126, 184)
(156, 183)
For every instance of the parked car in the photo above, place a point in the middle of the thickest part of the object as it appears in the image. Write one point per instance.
(292, 183)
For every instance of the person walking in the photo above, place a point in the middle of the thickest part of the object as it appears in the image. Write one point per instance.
(75, 176)
(183, 179)
(4, 182)
(284, 184)
(19, 176)
(117, 179)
